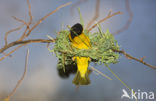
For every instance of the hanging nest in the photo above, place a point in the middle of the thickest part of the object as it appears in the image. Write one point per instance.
(101, 50)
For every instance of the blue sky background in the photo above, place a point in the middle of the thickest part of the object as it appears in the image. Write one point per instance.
(42, 82)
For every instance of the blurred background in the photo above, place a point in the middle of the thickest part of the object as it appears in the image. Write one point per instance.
(42, 82)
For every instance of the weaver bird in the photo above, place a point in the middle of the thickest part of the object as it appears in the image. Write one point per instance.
(80, 41)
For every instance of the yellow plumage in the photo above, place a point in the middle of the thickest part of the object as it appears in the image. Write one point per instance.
(81, 42)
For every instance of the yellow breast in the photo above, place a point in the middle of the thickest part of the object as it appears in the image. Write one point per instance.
(81, 41)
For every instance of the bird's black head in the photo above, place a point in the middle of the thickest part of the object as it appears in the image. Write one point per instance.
(76, 30)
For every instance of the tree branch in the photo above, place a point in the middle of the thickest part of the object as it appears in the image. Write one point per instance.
(27, 31)
(43, 18)
(10, 31)
(133, 58)
(102, 20)
(8, 54)
(25, 42)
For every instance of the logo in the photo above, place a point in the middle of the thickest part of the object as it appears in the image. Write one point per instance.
(137, 95)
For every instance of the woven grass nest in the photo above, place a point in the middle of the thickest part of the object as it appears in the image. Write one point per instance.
(101, 50)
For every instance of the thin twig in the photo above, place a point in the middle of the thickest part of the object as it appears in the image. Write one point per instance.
(10, 31)
(22, 78)
(130, 13)
(94, 69)
(27, 32)
(30, 14)
(27, 27)
(29, 23)
(96, 14)
(6, 55)
(24, 34)
(133, 58)
(21, 43)
(19, 20)
(22, 21)
(102, 20)
(43, 18)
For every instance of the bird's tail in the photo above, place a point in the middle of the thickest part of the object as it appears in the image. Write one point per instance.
(79, 80)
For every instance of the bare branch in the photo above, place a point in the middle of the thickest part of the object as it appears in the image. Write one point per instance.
(96, 14)
(133, 58)
(27, 27)
(27, 32)
(25, 42)
(126, 26)
(29, 23)
(24, 34)
(6, 55)
(22, 78)
(10, 31)
(19, 20)
(22, 21)
(18, 28)
(39, 21)
(102, 20)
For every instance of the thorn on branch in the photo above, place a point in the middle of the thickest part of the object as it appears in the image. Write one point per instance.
(142, 58)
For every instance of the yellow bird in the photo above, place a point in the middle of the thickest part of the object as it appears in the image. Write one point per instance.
(80, 41)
